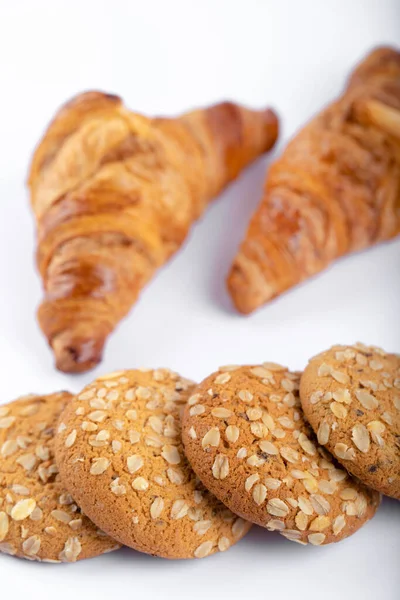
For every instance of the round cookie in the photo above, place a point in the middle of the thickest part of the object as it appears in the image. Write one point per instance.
(38, 518)
(246, 438)
(121, 455)
(351, 397)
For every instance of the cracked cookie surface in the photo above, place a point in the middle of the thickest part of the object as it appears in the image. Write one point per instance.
(246, 437)
(351, 397)
(121, 454)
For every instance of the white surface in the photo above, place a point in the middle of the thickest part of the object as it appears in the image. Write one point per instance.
(164, 57)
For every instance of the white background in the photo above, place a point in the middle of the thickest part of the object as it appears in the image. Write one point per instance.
(166, 57)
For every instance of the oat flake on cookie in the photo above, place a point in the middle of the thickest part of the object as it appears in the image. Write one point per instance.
(120, 452)
(39, 519)
(246, 437)
(351, 397)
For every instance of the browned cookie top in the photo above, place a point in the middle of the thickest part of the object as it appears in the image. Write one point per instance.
(120, 452)
(351, 397)
(246, 438)
(39, 520)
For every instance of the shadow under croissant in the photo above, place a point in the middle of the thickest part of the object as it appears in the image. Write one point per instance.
(227, 227)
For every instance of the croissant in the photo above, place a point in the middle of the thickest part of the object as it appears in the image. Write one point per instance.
(334, 190)
(114, 195)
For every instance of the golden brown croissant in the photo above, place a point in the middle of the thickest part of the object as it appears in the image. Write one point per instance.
(335, 189)
(114, 195)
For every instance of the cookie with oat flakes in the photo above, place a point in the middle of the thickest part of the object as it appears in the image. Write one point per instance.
(121, 455)
(246, 437)
(351, 397)
(38, 517)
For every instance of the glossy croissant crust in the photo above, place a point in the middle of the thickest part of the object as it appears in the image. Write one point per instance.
(334, 190)
(114, 194)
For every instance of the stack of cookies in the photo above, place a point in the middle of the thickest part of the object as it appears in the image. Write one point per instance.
(148, 459)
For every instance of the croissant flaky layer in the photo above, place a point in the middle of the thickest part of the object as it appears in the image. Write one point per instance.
(114, 194)
(334, 190)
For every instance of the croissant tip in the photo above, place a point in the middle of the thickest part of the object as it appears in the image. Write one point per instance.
(270, 116)
(247, 287)
(76, 355)
(241, 302)
(243, 308)
(270, 127)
